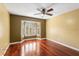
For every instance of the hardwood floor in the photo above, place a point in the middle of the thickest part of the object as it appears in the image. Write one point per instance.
(39, 48)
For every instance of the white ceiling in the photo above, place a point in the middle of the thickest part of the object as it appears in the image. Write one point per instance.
(29, 9)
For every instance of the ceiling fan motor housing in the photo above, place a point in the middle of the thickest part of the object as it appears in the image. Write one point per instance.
(43, 10)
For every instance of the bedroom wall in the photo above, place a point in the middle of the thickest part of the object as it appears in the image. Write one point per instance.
(15, 26)
(64, 28)
(4, 29)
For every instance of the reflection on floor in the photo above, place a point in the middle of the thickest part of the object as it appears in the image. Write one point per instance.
(39, 48)
(31, 48)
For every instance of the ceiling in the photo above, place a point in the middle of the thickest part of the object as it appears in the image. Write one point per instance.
(29, 9)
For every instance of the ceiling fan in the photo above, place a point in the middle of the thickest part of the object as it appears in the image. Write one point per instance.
(44, 11)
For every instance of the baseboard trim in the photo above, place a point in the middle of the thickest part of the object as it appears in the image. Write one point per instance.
(32, 39)
(66, 45)
(15, 42)
(6, 50)
(27, 39)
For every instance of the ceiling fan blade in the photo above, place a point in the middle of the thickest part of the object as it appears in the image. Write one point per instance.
(38, 9)
(37, 13)
(49, 14)
(51, 9)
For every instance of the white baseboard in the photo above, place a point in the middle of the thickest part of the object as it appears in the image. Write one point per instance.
(66, 45)
(6, 50)
(15, 42)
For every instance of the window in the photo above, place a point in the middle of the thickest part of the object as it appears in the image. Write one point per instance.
(31, 28)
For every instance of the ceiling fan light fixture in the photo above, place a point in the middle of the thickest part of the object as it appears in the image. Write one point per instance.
(45, 11)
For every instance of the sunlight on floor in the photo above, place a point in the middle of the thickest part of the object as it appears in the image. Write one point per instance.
(32, 48)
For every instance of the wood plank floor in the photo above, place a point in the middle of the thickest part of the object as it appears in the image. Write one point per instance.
(39, 48)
